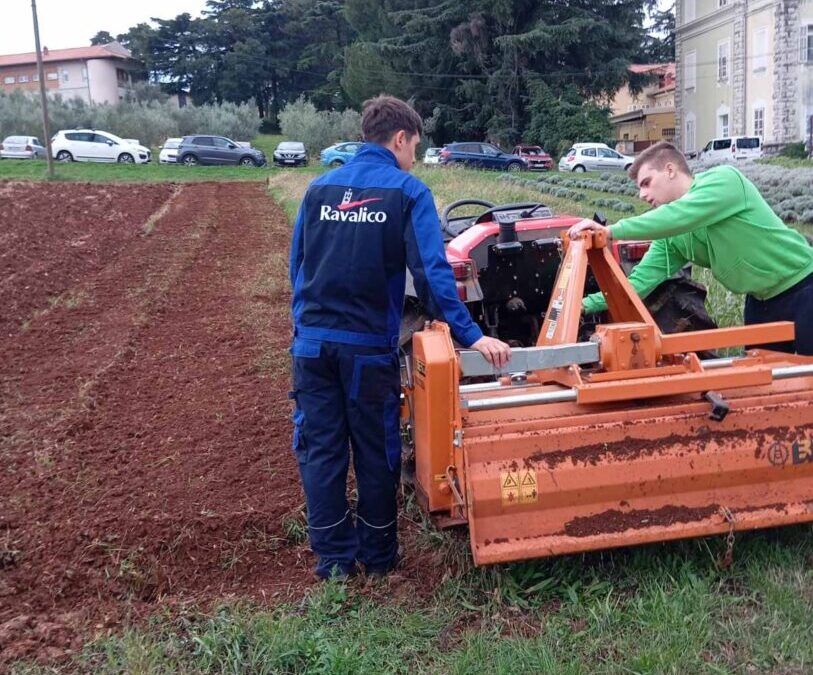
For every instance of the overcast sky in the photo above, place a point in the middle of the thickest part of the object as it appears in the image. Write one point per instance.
(71, 23)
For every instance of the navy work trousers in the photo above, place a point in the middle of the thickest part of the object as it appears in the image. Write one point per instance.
(794, 304)
(348, 395)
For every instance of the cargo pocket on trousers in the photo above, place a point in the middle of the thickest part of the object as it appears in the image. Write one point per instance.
(375, 388)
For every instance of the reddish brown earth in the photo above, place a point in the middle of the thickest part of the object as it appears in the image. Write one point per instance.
(144, 422)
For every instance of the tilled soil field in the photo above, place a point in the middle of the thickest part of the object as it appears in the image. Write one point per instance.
(144, 422)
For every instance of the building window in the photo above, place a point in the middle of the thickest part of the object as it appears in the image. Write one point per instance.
(36, 77)
(65, 76)
(9, 79)
(690, 126)
(723, 50)
(806, 44)
(722, 3)
(22, 78)
(689, 11)
(668, 134)
(690, 70)
(52, 76)
(759, 122)
(723, 124)
(84, 74)
(760, 48)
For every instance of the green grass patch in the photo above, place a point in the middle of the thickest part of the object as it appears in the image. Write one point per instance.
(449, 184)
(664, 608)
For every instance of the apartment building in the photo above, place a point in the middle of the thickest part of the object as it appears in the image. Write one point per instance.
(744, 67)
(648, 116)
(99, 74)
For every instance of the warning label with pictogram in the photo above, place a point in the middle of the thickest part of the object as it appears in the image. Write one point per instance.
(509, 487)
(527, 487)
(518, 487)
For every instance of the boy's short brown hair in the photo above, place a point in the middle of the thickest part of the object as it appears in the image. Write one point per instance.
(658, 156)
(384, 116)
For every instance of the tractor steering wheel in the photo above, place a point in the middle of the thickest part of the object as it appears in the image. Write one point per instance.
(458, 225)
(455, 226)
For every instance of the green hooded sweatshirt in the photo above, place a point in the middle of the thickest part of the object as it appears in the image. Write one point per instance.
(722, 223)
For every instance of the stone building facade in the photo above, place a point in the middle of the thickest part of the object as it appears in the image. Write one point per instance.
(744, 67)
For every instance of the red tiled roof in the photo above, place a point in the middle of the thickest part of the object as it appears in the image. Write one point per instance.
(112, 50)
(667, 70)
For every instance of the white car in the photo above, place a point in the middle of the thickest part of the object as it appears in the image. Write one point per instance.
(594, 157)
(432, 156)
(90, 145)
(21, 147)
(731, 148)
(169, 151)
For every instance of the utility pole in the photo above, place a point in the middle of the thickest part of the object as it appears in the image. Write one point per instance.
(43, 97)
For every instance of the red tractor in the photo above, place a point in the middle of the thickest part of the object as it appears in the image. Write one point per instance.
(505, 262)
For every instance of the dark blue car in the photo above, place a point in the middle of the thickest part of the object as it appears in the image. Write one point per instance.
(481, 156)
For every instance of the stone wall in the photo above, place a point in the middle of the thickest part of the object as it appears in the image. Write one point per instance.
(786, 77)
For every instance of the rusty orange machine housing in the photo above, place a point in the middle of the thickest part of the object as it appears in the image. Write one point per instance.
(625, 439)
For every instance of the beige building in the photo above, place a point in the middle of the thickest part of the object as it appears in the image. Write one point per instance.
(744, 67)
(641, 119)
(100, 74)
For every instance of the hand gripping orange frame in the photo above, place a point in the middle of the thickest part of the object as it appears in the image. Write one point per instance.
(636, 447)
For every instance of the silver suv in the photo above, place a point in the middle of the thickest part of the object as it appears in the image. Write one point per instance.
(594, 157)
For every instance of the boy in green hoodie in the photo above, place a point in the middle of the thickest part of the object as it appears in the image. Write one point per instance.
(716, 219)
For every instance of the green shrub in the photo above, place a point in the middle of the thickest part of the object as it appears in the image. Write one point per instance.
(794, 151)
(150, 120)
(317, 129)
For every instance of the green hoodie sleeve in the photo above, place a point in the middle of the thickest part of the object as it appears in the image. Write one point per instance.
(659, 263)
(715, 195)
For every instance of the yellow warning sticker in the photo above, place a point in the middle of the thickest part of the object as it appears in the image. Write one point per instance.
(527, 488)
(518, 487)
(509, 487)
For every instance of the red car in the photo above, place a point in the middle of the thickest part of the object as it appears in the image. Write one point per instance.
(537, 158)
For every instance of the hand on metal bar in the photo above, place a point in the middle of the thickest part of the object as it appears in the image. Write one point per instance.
(495, 351)
(586, 224)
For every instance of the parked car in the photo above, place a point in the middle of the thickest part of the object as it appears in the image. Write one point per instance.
(481, 156)
(339, 153)
(291, 153)
(92, 145)
(536, 157)
(21, 147)
(432, 156)
(594, 157)
(217, 151)
(169, 151)
(730, 148)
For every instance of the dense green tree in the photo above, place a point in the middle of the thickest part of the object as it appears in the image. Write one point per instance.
(503, 70)
(659, 43)
(101, 38)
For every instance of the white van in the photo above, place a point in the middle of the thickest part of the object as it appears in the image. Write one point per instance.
(731, 148)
